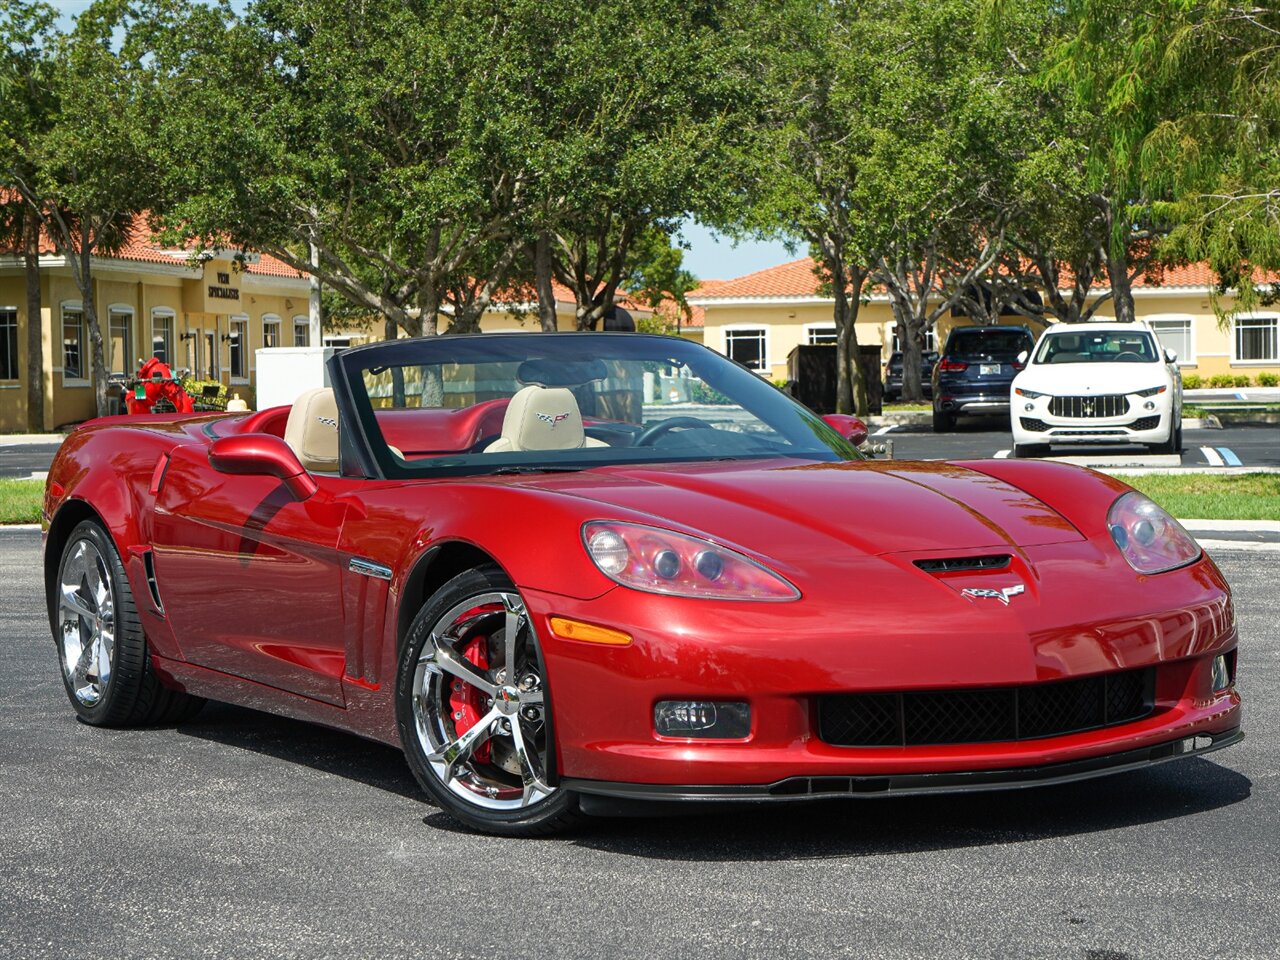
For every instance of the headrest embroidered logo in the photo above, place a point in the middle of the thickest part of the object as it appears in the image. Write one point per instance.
(553, 420)
(989, 594)
(328, 422)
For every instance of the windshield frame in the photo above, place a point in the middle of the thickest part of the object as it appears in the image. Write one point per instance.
(364, 452)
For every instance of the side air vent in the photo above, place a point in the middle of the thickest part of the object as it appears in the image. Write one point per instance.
(958, 564)
(149, 564)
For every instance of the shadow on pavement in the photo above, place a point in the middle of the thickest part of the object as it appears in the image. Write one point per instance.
(329, 751)
(869, 827)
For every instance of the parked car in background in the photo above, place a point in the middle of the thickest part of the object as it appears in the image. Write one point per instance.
(893, 374)
(975, 372)
(1098, 383)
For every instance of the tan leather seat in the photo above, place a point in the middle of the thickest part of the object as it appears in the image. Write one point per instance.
(542, 418)
(312, 430)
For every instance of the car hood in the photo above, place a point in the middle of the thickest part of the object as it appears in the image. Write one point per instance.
(1082, 379)
(794, 512)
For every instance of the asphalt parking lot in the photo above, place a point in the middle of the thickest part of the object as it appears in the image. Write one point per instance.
(244, 835)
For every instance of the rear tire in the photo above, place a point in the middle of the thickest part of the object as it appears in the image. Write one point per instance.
(106, 667)
(476, 728)
(943, 422)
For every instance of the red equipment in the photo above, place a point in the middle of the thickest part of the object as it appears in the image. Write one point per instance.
(157, 389)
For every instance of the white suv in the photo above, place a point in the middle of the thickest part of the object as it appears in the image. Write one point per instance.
(1095, 383)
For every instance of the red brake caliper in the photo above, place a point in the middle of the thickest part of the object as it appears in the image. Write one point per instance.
(467, 702)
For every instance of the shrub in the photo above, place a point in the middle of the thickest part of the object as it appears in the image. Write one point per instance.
(1192, 381)
(1222, 380)
(699, 392)
(1241, 381)
(1269, 380)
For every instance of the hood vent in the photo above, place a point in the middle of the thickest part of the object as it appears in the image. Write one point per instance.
(964, 564)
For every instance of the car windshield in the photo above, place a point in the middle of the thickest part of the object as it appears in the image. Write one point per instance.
(1098, 346)
(996, 344)
(514, 403)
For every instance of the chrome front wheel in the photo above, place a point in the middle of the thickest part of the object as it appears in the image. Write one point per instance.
(474, 708)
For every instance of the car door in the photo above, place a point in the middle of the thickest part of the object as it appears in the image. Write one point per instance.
(249, 577)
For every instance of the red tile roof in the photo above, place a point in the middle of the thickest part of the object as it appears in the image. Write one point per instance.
(797, 279)
(139, 247)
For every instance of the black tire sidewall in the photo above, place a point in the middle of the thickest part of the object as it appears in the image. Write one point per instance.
(542, 817)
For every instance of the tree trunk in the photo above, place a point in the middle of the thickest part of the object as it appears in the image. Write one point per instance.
(851, 388)
(1121, 286)
(912, 350)
(542, 282)
(90, 309)
(35, 324)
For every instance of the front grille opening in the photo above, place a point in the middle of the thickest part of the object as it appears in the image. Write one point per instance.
(1090, 407)
(985, 715)
(954, 564)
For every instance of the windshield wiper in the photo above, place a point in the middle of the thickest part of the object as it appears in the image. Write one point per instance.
(519, 468)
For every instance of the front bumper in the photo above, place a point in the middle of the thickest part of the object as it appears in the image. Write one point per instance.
(1039, 425)
(782, 658)
(977, 781)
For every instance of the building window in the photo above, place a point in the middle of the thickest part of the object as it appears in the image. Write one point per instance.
(239, 332)
(8, 343)
(747, 347)
(162, 335)
(1256, 339)
(73, 343)
(211, 351)
(822, 336)
(270, 330)
(301, 332)
(1175, 334)
(120, 327)
(930, 339)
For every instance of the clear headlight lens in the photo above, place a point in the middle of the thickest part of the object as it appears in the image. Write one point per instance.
(1150, 539)
(1029, 394)
(661, 561)
(1151, 392)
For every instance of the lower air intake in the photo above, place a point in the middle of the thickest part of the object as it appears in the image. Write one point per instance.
(985, 715)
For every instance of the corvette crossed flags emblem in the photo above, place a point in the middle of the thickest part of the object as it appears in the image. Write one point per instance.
(987, 593)
(553, 420)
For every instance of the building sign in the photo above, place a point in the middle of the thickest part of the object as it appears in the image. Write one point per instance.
(221, 288)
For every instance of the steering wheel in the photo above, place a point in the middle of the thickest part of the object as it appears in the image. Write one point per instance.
(655, 430)
(1128, 357)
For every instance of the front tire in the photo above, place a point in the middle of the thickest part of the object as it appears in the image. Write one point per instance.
(474, 711)
(106, 668)
(1174, 443)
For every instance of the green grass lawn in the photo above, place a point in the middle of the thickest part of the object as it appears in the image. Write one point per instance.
(1204, 496)
(20, 500)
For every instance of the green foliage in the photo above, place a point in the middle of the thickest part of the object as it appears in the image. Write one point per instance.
(699, 392)
(1268, 380)
(1222, 380)
(1241, 380)
(1202, 496)
(1192, 381)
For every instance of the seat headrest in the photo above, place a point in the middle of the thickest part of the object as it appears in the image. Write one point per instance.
(312, 430)
(541, 418)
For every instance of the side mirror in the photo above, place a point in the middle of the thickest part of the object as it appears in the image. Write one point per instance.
(265, 455)
(851, 428)
(1171, 356)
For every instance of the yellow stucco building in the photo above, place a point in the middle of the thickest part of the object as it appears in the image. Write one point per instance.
(760, 318)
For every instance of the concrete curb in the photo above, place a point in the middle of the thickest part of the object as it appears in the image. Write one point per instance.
(14, 439)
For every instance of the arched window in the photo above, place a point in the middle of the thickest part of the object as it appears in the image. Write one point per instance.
(120, 358)
(74, 358)
(302, 331)
(271, 330)
(238, 347)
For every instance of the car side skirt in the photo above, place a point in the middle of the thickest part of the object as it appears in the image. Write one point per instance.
(614, 799)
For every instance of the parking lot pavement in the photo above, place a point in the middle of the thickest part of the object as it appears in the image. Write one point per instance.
(979, 439)
(243, 835)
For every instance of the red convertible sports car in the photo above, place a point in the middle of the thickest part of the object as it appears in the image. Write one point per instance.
(561, 593)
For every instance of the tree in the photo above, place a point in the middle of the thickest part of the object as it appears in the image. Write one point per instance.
(1187, 97)
(820, 75)
(87, 174)
(26, 64)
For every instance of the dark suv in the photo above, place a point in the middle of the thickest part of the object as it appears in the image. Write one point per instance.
(975, 372)
(893, 374)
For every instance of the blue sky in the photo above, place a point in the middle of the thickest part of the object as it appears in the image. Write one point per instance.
(708, 257)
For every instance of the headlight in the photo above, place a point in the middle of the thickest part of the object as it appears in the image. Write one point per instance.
(1029, 394)
(1150, 539)
(1151, 392)
(660, 561)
